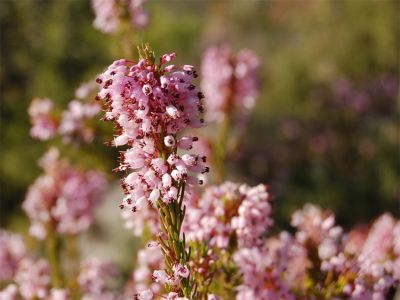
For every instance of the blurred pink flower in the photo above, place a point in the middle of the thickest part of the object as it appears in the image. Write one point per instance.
(95, 276)
(149, 258)
(230, 83)
(10, 292)
(12, 250)
(63, 197)
(44, 124)
(109, 14)
(74, 118)
(33, 278)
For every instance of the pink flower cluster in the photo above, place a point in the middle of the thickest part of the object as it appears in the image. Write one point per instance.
(379, 259)
(109, 14)
(321, 261)
(96, 278)
(151, 105)
(366, 272)
(318, 228)
(73, 124)
(73, 121)
(263, 270)
(230, 82)
(12, 250)
(145, 219)
(229, 210)
(33, 278)
(179, 272)
(44, 123)
(63, 198)
(149, 258)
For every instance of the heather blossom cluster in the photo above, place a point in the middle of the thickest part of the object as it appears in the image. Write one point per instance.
(109, 14)
(96, 277)
(341, 269)
(44, 124)
(151, 106)
(62, 198)
(12, 250)
(72, 124)
(29, 278)
(150, 259)
(229, 211)
(230, 83)
(264, 269)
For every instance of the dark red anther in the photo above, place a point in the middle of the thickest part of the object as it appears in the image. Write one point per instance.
(206, 170)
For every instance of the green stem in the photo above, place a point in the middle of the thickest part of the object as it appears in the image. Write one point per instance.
(53, 255)
(221, 148)
(73, 256)
(174, 247)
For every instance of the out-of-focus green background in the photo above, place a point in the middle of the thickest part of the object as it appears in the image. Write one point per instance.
(326, 127)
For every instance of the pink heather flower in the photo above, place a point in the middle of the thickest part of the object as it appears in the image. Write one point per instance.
(33, 278)
(44, 125)
(161, 276)
(63, 196)
(317, 227)
(110, 12)
(365, 266)
(174, 296)
(230, 82)
(139, 16)
(262, 275)
(180, 271)
(144, 295)
(85, 90)
(95, 275)
(12, 250)
(74, 119)
(379, 250)
(59, 294)
(150, 104)
(226, 210)
(290, 257)
(149, 258)
(355, 239)
(73, 124)
(10, 292)
(146, 218)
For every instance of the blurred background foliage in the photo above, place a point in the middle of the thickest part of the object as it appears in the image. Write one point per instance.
(326, 127)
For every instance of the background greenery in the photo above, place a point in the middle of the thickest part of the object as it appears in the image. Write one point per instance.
(305, 139)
